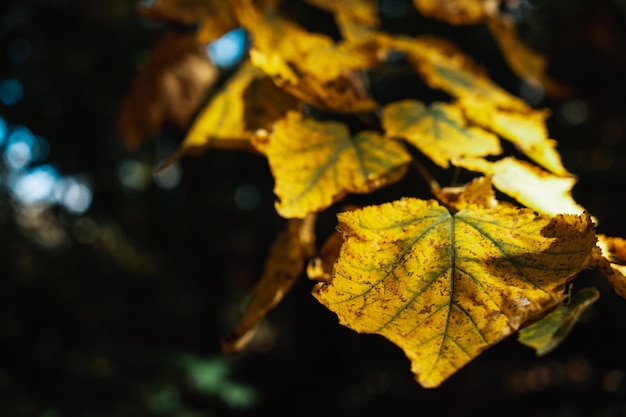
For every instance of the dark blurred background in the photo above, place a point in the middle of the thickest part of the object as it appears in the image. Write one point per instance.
(116, 284)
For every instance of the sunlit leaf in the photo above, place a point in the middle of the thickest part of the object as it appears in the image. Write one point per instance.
(548, 332)
(479, 192)
(320, 267)
(167, 90)
(610, 259)
(310, 65)
(248, 101)
(282, 268)
(316, 163)
(458, 12)
(211, 16)
(528, 184)
(445, 287)
(529, 65)
(526, 129)
(439, 131)
(444, 66)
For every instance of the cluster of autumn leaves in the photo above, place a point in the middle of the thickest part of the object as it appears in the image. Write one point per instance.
(443, 279)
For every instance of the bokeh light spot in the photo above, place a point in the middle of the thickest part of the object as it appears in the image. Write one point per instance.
(77, 196)
(4, 128)
(574, 112)
(133, 174)
(169, 177)
(11, 91)
(227, 51)
(247, 197)
(19, 51)
(35, 186)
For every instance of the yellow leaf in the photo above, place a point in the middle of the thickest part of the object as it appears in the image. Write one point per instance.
(310, 65)
(248, 101)
(282, 269)
(439, 131)
(478, 192)
(445, 287)
(547, 333)
(525, 128)
(610, 259)
(446, 67)
(316, 163)
(213, 17)
(458, 12)
(529, 184)
(320, 267)
(529, 65)
(355, 18)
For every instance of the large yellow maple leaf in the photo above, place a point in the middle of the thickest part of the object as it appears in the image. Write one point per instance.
(445, 286)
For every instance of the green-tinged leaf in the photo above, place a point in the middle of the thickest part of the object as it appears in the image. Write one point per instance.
(316, 163)
(445, 287)
(444, 66)
(439, 131)
(547, 333)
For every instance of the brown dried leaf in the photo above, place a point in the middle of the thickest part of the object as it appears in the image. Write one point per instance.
(213, 17)
(529, 65)
(282, 269)
(167, 90)
(458, 12)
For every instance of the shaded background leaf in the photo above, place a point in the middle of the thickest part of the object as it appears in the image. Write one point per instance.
(283, 267)
(529, 65)
(458, 12)
(167, 90)
(210, 17)
(548, 332)
(248, 101)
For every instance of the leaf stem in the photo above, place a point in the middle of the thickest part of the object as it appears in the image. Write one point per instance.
(432, 182)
